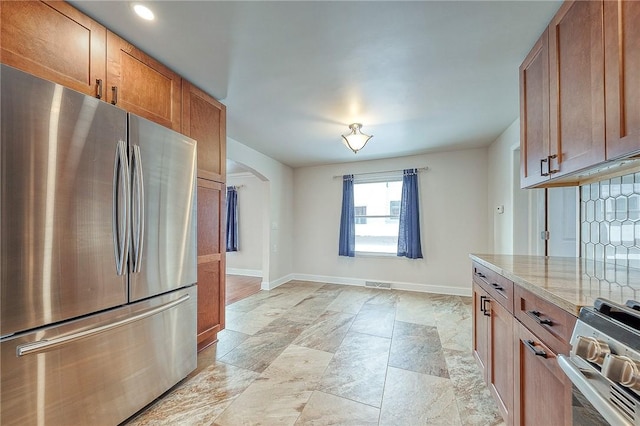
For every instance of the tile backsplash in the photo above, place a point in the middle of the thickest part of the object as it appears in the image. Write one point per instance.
(610, 221)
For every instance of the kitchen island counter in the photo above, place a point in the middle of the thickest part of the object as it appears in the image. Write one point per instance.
(567, 282)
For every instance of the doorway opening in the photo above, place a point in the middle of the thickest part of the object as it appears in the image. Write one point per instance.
(245, 268)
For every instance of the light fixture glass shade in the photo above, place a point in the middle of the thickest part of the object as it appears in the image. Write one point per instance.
(356, 140)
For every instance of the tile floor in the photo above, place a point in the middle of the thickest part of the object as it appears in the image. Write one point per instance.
(321, 354)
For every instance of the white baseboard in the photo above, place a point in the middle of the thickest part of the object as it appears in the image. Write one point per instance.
(270, 285)
(424, 288)
(245, 272)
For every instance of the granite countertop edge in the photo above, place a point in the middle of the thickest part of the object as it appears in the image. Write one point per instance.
(545, 294)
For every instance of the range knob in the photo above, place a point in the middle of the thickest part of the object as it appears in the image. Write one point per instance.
(623, 370)
(591, 349)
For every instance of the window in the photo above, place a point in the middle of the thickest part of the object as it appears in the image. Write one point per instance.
(377, 214)
(394, 208)
(361, 214)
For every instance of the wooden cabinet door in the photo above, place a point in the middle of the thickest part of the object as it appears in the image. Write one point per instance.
(480, 329)
(204, 119)
(211, 261)
(139, 84)
(622, 77)
(54, 41)
(576, 64)
(542, 390)
(500, 377)
(534, 114)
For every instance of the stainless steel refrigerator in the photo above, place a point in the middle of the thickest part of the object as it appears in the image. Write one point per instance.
(98, 257)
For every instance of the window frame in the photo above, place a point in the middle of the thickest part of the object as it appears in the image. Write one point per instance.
(378, 178)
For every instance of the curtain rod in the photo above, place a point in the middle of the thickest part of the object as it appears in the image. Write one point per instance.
(236, 186)
(420, 169)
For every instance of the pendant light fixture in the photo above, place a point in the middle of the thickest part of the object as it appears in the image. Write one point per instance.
(356, 140)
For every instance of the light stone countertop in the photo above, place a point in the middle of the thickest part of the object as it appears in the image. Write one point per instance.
(568, 282)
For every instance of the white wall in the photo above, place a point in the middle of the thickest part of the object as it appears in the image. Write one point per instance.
(516, 230)
(278, 219)
(453, 223)
(251, 207)
(500, 191)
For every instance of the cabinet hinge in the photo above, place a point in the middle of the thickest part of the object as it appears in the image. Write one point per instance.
(544, 235)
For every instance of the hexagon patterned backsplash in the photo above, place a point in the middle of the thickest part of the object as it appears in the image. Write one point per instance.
(610, 221)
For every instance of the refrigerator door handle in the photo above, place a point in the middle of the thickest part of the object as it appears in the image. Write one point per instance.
(121, 208)
(42, 345)
(137, 203)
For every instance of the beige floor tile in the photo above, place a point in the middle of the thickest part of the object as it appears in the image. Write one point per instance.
(418, 399)
(253, 321)
(325, 409)
(201, 399)
(312, 366)
(281, 392)
(358, 368)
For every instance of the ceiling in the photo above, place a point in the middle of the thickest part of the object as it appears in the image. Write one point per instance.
(420, 76)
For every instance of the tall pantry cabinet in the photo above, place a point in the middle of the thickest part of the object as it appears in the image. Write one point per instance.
(55, 41)
(204, 120)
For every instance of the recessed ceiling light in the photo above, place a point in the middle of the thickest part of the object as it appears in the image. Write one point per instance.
(143, 11)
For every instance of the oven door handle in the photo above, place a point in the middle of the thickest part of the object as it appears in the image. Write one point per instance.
(582, 383)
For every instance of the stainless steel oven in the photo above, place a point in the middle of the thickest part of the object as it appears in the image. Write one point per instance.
(604, 364)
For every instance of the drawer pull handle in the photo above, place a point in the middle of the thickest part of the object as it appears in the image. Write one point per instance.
(536, 316)
(532, 346)
(497, 286)
(481, 275)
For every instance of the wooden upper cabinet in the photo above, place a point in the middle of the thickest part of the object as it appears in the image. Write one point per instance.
(576, 107)
(54, 41)
(204, 119)
(622, 77)
(139, 84)
(534, 114)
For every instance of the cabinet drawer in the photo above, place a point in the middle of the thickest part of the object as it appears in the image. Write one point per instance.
(553, 325)
(498, 287)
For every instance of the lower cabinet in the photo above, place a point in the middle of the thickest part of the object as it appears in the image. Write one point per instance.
(542, 390)
(211, 261)
(493, 337)
(519, 367)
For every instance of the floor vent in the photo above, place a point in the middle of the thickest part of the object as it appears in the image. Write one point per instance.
(376, 284)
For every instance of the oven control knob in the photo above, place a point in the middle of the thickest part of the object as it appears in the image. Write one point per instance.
(591, 349)
(623, 370)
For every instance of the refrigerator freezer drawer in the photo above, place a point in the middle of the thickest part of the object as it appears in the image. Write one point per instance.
(101, 369)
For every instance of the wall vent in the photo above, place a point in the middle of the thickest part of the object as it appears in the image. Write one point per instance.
(377, 284)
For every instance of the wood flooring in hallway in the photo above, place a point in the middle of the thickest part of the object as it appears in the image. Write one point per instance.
(240, 287)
